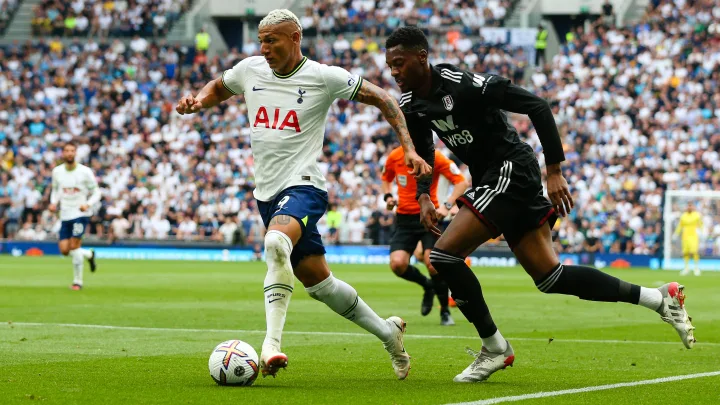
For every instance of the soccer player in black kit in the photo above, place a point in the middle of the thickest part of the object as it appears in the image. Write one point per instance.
(466, 111)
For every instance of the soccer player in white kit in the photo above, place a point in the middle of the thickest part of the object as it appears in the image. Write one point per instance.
(75, 188)
(288, 97)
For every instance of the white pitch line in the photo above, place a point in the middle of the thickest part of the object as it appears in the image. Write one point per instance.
(523, 397)
(350, 334)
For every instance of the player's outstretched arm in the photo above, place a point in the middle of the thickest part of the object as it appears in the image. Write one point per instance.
(211, 95)
(374, 95)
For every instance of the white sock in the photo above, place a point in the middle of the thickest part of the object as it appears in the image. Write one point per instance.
(77, 261)
(86, 253)
(343, 299)
(279, 283)
(495, 343)
(650, 298)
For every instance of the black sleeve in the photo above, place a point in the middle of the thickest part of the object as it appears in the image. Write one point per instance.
(422, 138)
(518, 100)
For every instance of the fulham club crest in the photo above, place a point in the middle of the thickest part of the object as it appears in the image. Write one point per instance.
(448, 101)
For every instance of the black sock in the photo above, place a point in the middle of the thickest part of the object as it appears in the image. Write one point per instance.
(589, 284)
(413, 274)
(465, 289)
(441, 290)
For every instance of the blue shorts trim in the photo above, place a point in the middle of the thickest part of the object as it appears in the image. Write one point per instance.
(307, 204)
(74, 228)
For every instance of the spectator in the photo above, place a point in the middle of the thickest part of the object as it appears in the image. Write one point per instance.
(202, 41)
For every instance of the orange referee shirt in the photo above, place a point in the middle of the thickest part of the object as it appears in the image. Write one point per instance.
(395, 168)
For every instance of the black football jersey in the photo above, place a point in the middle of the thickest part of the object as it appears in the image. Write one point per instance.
(467, 112)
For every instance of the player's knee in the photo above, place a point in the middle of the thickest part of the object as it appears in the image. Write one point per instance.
(399, 265)
(278, 247)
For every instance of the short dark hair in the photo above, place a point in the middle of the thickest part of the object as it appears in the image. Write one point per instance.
(408, 37)
(69, 143)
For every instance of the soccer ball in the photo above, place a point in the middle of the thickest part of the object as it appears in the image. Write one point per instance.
(234, 362)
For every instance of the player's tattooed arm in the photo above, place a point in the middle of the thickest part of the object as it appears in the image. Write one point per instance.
(211, 95)
(374, 95)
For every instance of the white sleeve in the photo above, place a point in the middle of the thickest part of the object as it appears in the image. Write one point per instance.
(340, 83)
(234, 78)
(54, 192)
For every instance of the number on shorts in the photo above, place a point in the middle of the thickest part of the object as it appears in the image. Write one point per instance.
(283, 201)
(77, 229)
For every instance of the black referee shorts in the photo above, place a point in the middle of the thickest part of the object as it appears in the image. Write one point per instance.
(408, 231)
(509, 199)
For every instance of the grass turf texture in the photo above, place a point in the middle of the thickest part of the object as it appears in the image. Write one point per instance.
(72, 364)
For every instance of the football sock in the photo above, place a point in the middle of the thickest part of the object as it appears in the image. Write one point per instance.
(342, 298)
(86, 253)
(466, 290)
(687, 262)
(413, 274)
(441, 290)
(495, 343)
(279, 283)
(589, 284)
(696, 257)
(650, 298)
(77, 262)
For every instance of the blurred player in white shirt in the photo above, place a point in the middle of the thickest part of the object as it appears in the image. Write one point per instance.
(288, 98)
(74, 187)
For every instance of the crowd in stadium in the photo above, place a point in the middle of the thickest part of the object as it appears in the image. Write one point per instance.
(106, 18)
(638, 110)
(380, 17)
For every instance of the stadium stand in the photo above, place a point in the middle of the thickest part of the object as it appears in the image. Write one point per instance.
(638, 109)
(7, 10)
(106, 18)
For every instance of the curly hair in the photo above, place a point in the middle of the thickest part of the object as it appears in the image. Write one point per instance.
(409, 38)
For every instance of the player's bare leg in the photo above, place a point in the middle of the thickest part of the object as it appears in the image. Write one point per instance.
(441, 290)
(535, 253)
(400, 265)
(314, 273)
(464, 234)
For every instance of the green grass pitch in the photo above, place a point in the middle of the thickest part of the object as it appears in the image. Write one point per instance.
(169, 316)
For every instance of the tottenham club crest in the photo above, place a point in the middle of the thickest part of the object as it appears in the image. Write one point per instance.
(448, 101)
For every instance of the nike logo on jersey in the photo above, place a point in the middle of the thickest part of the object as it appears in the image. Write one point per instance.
(258, 89)
(421, 115)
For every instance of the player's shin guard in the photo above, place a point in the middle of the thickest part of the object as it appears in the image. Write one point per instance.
(441, 290)
(279, 282)
(466, 290)
(342, 298)
(589, 284)
(77, 262)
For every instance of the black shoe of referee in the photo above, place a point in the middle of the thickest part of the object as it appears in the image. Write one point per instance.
(427, 301)
(91, 260)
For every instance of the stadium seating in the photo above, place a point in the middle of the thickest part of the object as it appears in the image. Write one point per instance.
(167, 176)
(106, 18)
(7, 10)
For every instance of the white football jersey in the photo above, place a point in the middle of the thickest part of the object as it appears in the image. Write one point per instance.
(287, 116)
(72, 189)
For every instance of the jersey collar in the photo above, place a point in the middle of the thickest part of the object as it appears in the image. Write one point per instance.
(287, 76)
(437, 82)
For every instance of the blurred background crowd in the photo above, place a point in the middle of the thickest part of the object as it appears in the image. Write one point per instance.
(638, 109)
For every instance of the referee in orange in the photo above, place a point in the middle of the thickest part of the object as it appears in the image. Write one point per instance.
(408, 229)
